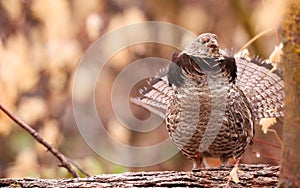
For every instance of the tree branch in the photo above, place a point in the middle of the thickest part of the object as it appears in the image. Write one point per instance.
(290, 164)
(63, 160)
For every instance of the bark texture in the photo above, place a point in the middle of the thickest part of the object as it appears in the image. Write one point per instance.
(290, 163)
(251, 176)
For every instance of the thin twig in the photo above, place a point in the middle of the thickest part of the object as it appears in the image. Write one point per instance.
(242, 11)
(267, 143)
(229, 177)
(63, 160)
(277, 136)
(255, 38)
(78, 167)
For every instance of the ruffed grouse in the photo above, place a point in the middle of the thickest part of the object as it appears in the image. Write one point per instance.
(211, 101)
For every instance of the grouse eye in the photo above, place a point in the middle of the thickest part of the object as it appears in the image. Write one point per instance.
(204, 40)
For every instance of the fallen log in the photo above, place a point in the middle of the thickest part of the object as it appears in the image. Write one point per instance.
(250, 176)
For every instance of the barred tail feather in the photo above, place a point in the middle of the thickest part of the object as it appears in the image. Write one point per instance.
(150, 105)
(155, 97)
(262, 87)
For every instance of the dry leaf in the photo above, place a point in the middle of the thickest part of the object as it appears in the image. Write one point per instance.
(276, 54)
(234, 174)
(266, 123)
(244, 54)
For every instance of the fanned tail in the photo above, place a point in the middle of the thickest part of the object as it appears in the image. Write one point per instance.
(155, 97)
(262, 86)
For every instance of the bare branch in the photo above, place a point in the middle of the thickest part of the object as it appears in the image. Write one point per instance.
(63, 159)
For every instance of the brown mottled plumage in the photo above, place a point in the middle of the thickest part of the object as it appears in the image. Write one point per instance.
(210, 101)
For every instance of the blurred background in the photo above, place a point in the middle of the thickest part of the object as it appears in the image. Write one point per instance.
(41, 43)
